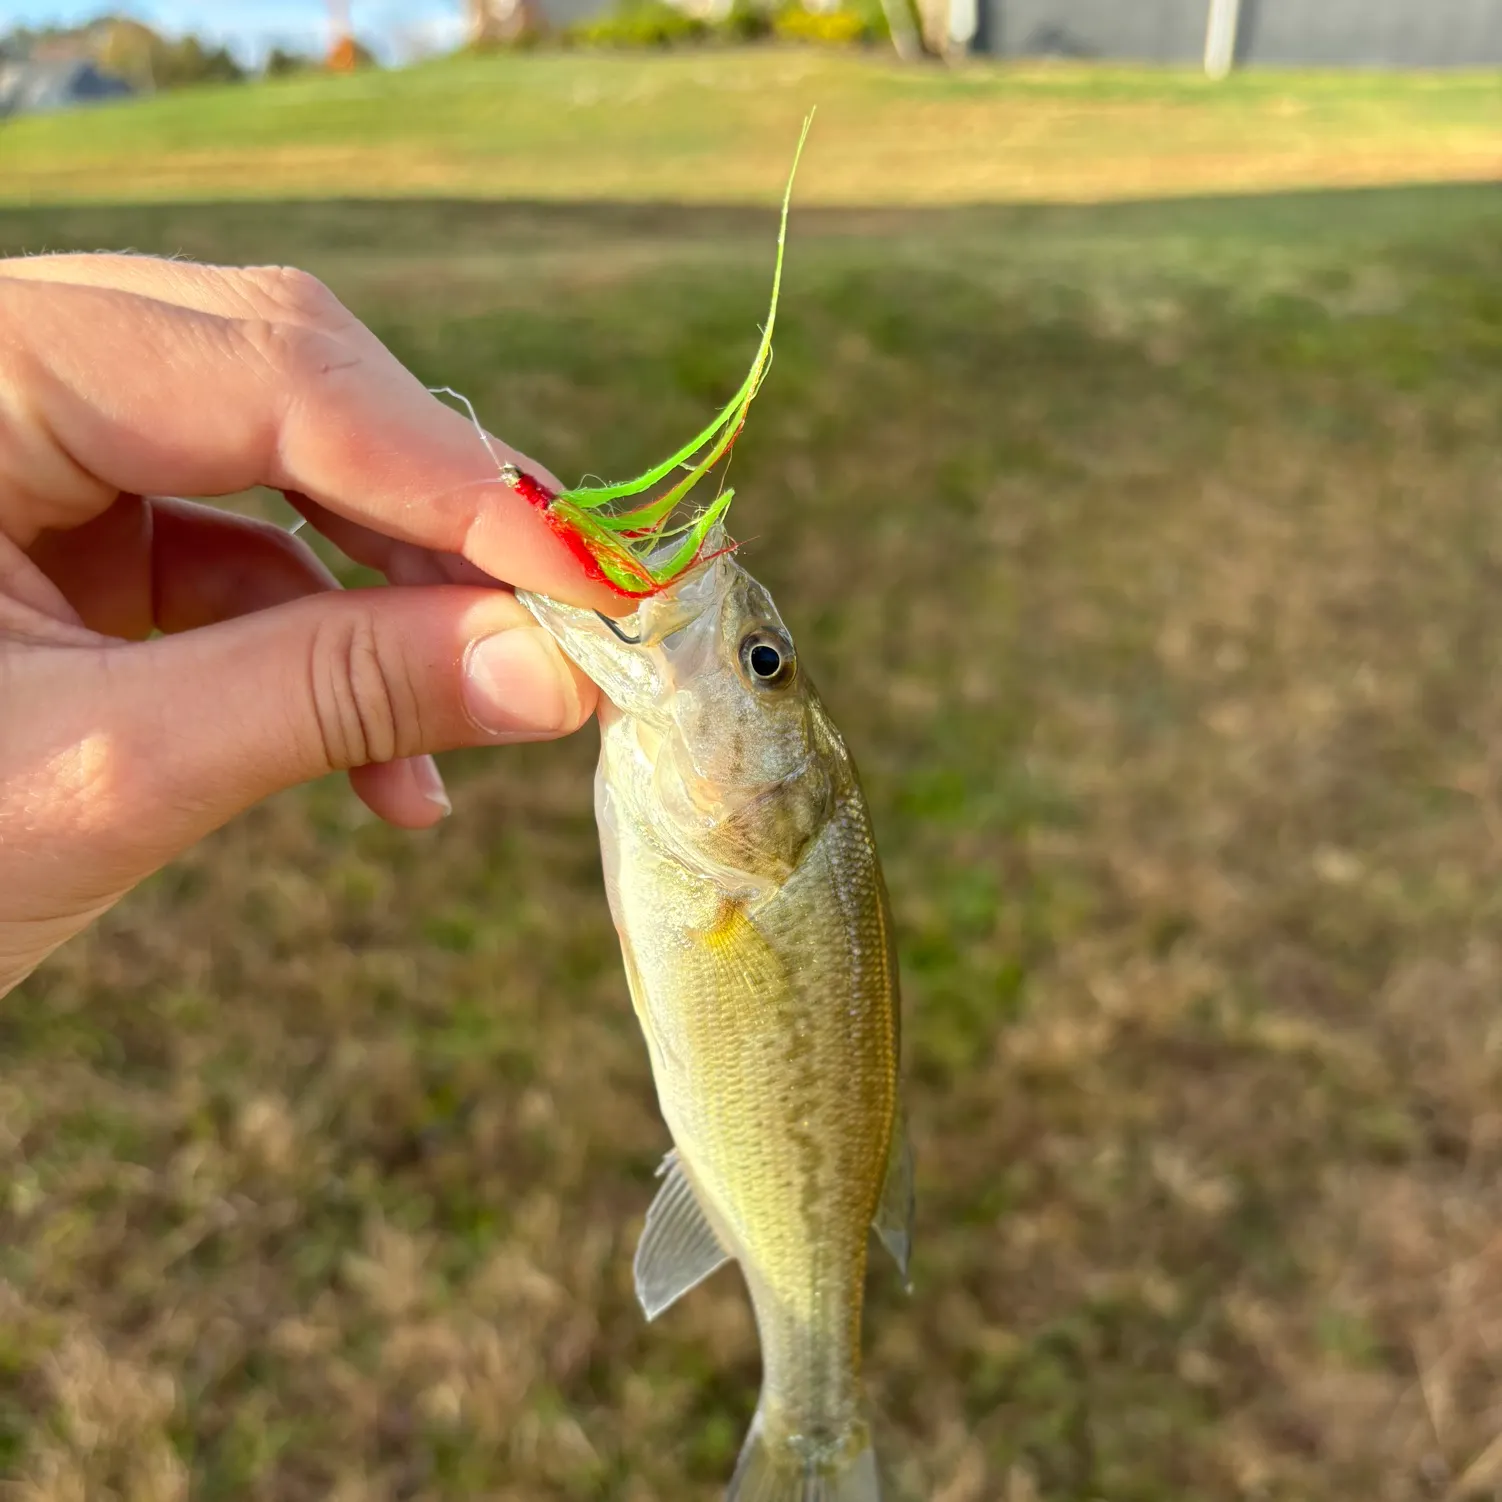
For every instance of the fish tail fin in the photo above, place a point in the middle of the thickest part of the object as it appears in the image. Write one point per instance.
(775, 1468)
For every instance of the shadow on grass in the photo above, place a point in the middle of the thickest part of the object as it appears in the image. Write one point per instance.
(269, 230)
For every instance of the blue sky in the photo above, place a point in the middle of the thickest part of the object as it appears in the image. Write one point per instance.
(397, 27)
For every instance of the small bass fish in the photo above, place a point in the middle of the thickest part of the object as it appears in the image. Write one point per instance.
(757, 940)
(753, 919)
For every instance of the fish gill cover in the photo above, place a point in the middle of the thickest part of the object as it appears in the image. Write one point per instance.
(641, 549)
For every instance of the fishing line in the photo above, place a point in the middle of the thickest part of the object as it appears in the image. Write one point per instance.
(469, 407)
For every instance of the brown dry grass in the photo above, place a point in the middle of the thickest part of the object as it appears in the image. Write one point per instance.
(1150, 559)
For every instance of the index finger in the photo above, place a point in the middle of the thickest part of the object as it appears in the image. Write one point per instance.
(105, 390)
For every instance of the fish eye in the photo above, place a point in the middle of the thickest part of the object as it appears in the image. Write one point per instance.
(767, 659)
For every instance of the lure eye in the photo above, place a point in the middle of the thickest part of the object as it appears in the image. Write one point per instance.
(767, 659)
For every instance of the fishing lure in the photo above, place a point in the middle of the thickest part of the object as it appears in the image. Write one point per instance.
(639, 550)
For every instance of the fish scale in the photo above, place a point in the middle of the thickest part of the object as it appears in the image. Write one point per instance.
(747, 894)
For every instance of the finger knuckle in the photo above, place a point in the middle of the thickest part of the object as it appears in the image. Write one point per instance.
(296, 353)
(292, 294)
(365, 703)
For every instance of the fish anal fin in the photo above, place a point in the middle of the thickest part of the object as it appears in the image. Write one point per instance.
(893, 1221)
(678, 1248)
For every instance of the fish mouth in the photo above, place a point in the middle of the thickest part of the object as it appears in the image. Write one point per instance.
(675, 608)
(624, 657)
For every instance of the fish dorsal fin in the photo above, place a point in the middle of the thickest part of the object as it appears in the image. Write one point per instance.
(678, 1247)
(893, 1221)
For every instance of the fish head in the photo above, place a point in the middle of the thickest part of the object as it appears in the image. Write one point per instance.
(732, 754)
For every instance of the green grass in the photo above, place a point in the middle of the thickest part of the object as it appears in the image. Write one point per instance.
(708, 125)
(1148, 556)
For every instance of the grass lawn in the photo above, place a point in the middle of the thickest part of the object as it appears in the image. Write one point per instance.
(1150, 557)
(716, 126)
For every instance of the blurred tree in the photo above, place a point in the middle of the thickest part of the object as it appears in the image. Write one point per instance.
(345, 54)
(281, 64)
(130, 50)
(125, 48)
(348, 55)
(188, 61)
(748, 20)
(341, 54)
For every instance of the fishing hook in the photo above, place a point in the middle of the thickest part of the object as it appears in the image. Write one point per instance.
(630, 641)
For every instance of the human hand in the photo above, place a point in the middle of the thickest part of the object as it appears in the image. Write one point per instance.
(124, 379)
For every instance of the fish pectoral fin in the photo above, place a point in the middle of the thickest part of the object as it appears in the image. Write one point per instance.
(678, 1248)
(747, 970)
(893, 1221)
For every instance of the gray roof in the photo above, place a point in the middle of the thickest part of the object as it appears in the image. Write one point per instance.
(35, 85)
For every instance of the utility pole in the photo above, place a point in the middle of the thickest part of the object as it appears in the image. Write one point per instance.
(1220, 37)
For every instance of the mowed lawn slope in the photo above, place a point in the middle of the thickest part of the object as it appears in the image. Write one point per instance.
(711, 125)
(1150, 556)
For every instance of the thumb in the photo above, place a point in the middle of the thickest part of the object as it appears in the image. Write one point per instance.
(208, 722)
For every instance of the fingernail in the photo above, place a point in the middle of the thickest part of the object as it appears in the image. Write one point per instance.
(515, 684)
(429, 782)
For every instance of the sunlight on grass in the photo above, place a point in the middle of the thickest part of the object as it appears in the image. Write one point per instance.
(718, 126)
